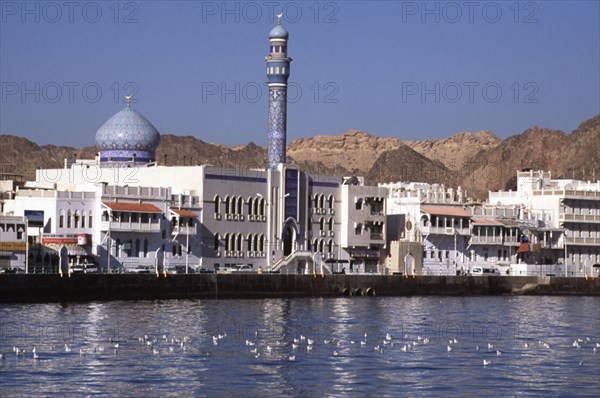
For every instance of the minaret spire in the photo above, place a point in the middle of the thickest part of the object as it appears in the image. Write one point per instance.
(278, 71)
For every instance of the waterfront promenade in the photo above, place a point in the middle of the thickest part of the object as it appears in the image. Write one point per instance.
(89, 287)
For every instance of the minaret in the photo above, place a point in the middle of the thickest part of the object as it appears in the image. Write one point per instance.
(278, 71)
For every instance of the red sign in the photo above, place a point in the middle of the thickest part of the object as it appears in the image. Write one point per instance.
(60, 241)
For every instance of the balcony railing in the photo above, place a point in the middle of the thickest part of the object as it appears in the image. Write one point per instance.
(583, 241)
(579, 217)
(129, 226)
(184, 230)
(490, 240)
(427, 230)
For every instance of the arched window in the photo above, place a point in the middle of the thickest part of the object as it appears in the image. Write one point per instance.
(283, 70)
(321, 201)
(277, 67)
(321, 246)
(262, 207)
(330, 246)
(90, 220)
(316, 200)
(262, 243)
(240, 205)
(227, 205)
(256, 204)
(217, 204)
(232, 242)
(255, 247)
(179, 250)
(174, 249)
(331, 201)
(239, 243)
(321, 224)
(117, 247)
(250, 239)
(83, 219)
(145, 248)
(61, 218)
(76, 218)
(217, 241)
(226, 242)
(137, 248)
(69, 215)
(315, 245)
(330, 224)
(129, 244)
(250, 206)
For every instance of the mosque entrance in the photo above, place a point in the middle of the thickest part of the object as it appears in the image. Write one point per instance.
(288, 241)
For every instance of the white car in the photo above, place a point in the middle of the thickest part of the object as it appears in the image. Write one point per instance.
(484, 271)
(141, 269)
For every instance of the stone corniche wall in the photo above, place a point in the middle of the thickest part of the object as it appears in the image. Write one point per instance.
(88, 287)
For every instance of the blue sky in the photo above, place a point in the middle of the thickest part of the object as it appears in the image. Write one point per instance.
(412, 70)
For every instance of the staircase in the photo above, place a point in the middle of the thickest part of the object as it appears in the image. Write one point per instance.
(301, 255)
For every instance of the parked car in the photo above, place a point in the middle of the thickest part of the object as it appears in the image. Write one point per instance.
(14, 270)
(180, 269)
(484, 271)
(141, 269)
(244, 268)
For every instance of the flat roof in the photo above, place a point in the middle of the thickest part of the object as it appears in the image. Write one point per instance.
(446, 211)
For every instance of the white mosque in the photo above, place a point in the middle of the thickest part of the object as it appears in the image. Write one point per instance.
(123, 209)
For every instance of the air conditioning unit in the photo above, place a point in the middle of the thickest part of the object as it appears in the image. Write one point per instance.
(264, 218)
(218, 253)
(236, 217)
(331, 211)
(229, 217)
(250, 254)
(217, 216)
(241, 217)
(331, 233)
(228, 254)
(322, 233)
(450, 230)
(251, 217)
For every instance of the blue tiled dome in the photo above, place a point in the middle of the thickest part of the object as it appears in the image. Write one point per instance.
(127, 130)
(278, 32)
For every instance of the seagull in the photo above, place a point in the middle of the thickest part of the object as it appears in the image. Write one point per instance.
(335, 353)
(155, 351)
(486, 362)
(310, 341)
(404, 348)
(254, 350)
(388, 336)
(490, 346)
(294, 346)
(498, 352)
(67, 348)
(449, 349)
(35, 356)
(526, 345)
(292, 358)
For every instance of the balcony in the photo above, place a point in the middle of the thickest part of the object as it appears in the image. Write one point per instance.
(486, 240)
(184, 230)
(583, 241)
(429, 230)
(579, 218)
(116, 226)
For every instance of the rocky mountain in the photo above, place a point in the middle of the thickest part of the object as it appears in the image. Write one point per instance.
(479, 161)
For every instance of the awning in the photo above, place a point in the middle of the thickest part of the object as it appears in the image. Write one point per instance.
(523, 248)
(132, 207)
(446, 211)
(183, 212)
(73, 250)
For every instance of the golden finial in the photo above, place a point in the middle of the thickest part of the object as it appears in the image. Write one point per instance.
(279, 19)
(128, 100)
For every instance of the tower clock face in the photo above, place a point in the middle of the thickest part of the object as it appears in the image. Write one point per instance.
(408, 225)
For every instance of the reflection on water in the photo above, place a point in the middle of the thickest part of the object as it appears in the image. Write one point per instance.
(536, 345)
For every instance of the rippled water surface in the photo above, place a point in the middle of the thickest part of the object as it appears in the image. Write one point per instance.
(416, 346)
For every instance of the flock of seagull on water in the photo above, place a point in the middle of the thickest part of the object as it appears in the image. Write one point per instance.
(164, 345)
